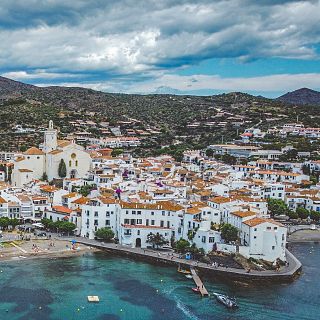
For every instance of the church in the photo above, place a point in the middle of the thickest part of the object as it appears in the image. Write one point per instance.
(34, 163)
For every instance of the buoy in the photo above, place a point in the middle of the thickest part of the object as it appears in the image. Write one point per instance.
(40, 308)
(161, 280)
(121, 310)
(78, 310)
(157, 290)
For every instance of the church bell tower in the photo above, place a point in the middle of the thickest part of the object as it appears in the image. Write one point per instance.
(50, 138)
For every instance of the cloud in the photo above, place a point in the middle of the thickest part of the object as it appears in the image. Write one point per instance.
(37, 74)
(177, 84)
(126, 41)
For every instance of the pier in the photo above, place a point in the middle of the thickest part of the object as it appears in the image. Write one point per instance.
(199, 283)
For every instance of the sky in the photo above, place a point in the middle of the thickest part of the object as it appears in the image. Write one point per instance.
(199, 47)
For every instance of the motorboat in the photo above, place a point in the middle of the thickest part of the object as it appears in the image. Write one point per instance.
(184, 271)
(188, 276)
(226, 301)
(196, 290)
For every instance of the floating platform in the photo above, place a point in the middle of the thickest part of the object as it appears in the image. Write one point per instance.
(93, 299)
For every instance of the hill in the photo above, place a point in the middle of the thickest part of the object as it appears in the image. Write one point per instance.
(13, 88)
(303, 96)
(162, 121)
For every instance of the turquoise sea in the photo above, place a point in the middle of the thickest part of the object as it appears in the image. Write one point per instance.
(58, 289)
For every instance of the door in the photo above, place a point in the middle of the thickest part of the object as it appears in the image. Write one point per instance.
(138, 243)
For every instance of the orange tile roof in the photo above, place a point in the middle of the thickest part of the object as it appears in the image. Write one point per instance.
(193, 210)
(82, 200)
(62, 209)
(34, 151)
(2, 200)
(70, 195)
(220, 200)
(243, 214)
(25, 170)
(161, 205)
(254, 222)
(48, 188)
(56, 151)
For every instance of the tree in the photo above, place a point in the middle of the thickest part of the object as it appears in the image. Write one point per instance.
(306, 169)
(228, 159)
(229, 232)
(302, 213)
(4, 223)
(85, 190)
(44, 177)
(315, 215)
(209, 153)
(156, 240)
(116, 152)
(62, 170)
(67, 226)
(182, 245)
(46, 222)
(14, 222)
(197, 252)
(277, 207)
(292, 214)
(105, 234)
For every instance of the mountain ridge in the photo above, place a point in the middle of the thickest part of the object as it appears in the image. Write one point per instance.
(302, 96)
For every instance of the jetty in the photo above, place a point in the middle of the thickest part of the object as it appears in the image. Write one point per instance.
(199, 283)
(287, 273)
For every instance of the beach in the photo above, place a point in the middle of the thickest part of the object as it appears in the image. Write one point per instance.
(41, 248)
(305, 236)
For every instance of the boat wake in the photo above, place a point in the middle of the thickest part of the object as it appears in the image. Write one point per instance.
(186, 311)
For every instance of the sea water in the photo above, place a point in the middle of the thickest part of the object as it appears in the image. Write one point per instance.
(58, 289)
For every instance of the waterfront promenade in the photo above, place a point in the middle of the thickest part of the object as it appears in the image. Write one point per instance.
(286, 273)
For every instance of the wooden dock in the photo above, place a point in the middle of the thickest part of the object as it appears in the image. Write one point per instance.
(199, 283)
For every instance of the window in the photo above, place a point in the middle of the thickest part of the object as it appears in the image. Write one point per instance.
(127, 232)
(268, 228)
(147, 222)
(163, 213)
(138, 232)
(107, 214)
(133, 212)
(76, 163)
(168, 224)
(168, 213)
(126, 221)
(69, 163)
(161, 223)
(152, 222)
(107, 222)
(273, 247)
(203, 239)
(255, 237)
(96, 213)
(255, 229)
(152, 213)
(211, 239)
(139, 221)
(95, 222)
(127, 212)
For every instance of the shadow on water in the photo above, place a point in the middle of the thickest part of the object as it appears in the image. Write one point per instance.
(33, 302)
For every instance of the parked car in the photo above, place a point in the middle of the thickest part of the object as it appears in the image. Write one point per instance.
(40, 234)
